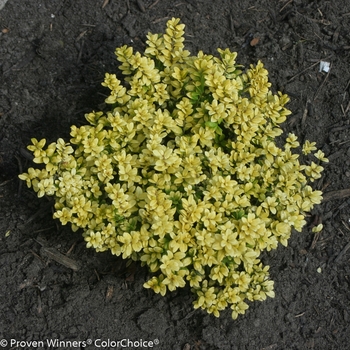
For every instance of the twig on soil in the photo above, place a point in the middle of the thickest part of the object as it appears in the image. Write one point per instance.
(44, 229)
(333, 195)
(26, 154)
(336, 34)
(342, 233)
(339, 128)
(71, 248)
(336, 211)
(189, 314)
(284, 6)
(321, 86)
(20, 168)
(332, 157)
(342, 253)
(308, 103)
(154, 4)
(342, 143)
(314, 241)
(339, 143)
(105, 3)
(141, 5)
(231, 23)
(347, 85)
(346, 109)
(160, 19)
(346, 226)
(97, 275)
(81, 35)
(55, 255)
(325, 186)
(5, 182)
(37, 256)
(321, 21)
(304, 70)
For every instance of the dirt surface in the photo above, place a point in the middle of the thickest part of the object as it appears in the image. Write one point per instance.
(53, 56)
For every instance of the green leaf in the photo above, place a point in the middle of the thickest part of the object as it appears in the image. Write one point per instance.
(212, 125)
(238, 214)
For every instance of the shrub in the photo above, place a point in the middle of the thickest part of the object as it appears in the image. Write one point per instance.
(182, 172)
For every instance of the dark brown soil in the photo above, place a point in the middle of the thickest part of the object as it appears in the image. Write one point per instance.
(53, 56)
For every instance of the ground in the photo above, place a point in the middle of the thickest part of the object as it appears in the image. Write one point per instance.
(53, 56)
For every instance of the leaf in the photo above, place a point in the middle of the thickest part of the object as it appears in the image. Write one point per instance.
(212, 125)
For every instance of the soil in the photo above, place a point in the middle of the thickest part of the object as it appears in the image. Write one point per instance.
(53, 57)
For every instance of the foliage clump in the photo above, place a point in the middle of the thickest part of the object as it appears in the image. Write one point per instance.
(183, 172)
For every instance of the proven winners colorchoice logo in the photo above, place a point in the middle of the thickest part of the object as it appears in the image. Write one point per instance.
(97, 343)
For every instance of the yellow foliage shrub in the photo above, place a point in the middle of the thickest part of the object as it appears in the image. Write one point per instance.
(182, 172)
